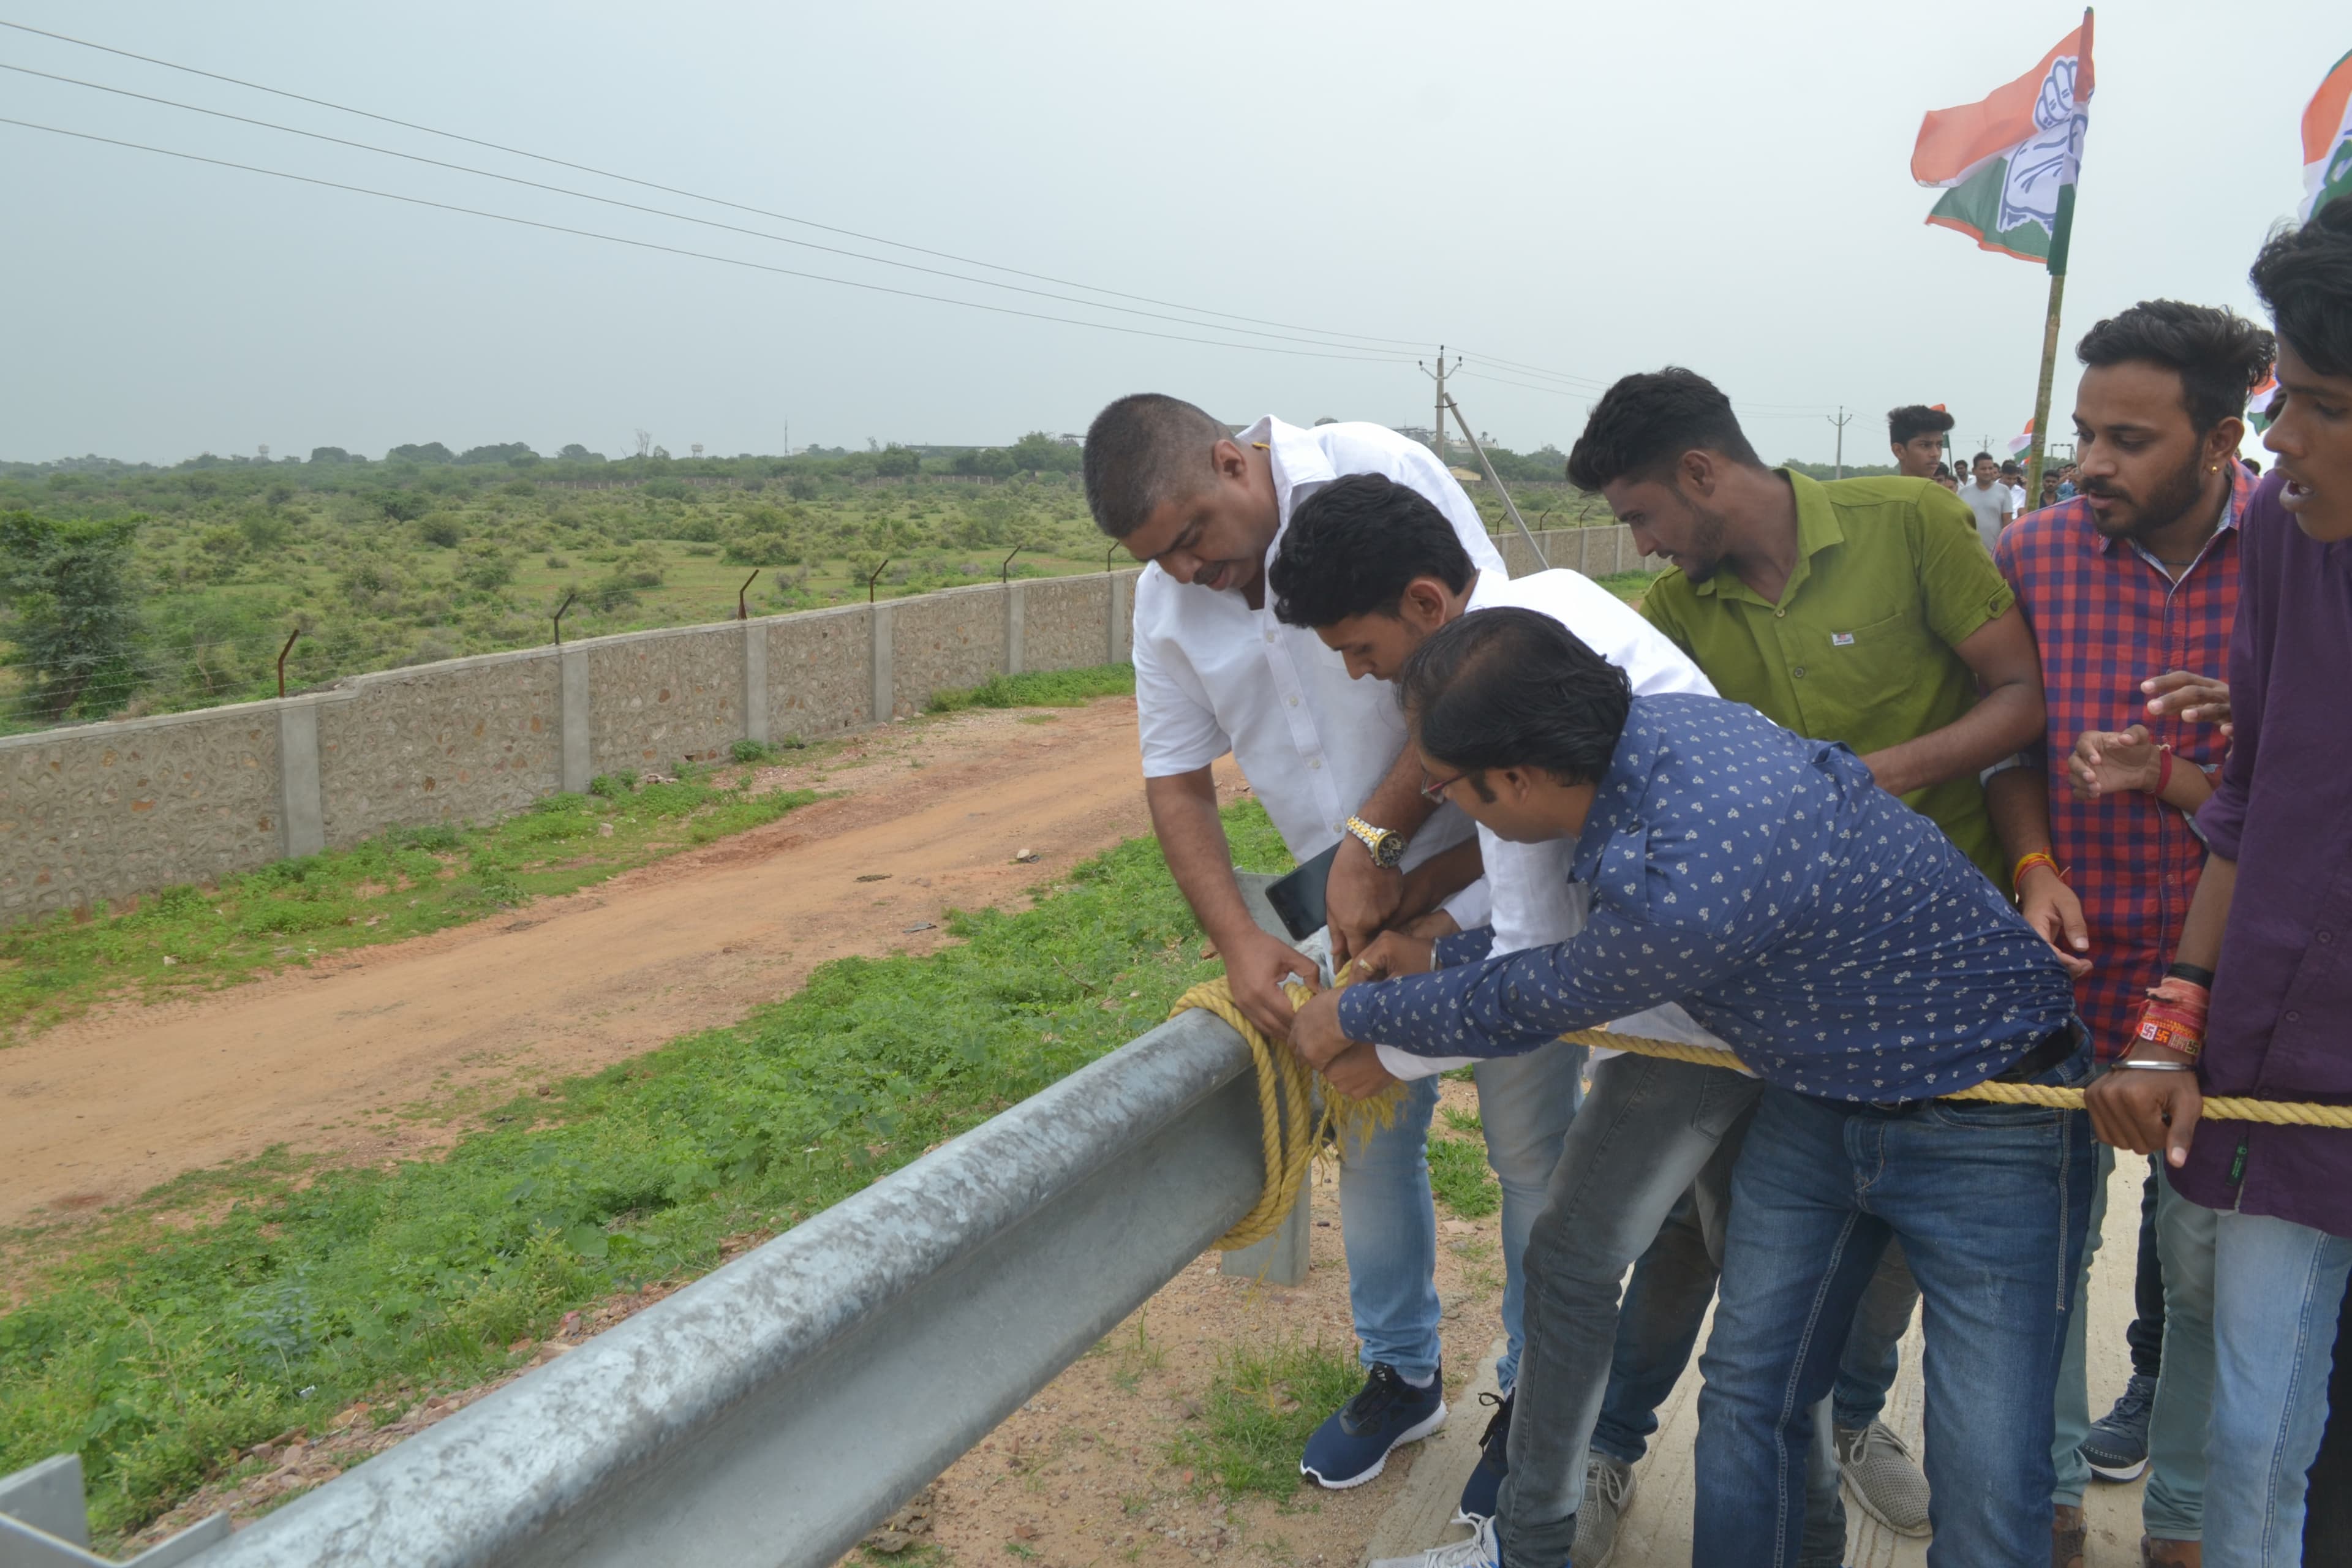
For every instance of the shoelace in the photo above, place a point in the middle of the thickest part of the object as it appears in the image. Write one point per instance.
(1498, 1434)
(1478, 1552)
(1382, 1389)
(1613, 1483)
(2133, 1404)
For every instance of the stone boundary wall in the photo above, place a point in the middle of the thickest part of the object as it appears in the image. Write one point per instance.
(102, 811)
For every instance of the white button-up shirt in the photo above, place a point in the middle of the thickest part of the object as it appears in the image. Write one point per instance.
(1214, 676)
(1535, 904)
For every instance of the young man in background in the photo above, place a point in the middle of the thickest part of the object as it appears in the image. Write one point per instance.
(1988, 499)
(1916, 432)
(1216, 672)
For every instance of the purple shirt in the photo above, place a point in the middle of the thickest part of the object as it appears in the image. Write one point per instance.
(2282, 1020)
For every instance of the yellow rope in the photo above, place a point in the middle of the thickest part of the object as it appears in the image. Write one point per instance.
(1292, 1133)
(2227, 1108)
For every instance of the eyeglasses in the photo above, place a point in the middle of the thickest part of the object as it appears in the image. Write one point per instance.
(1436, 793)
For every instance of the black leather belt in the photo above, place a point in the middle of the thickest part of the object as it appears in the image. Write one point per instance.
(2056, 1047)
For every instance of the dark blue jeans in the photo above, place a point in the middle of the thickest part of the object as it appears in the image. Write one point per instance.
(1990, 1202)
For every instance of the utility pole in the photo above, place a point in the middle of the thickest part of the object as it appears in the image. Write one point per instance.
(1840, 421)
(1437, 425)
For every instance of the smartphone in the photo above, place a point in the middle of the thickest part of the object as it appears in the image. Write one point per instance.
(1297, 899)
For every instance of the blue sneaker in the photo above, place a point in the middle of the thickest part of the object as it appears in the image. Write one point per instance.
(1485, 1482)
(1353, 1446)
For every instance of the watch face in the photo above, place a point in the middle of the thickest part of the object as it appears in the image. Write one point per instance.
(1389, 851)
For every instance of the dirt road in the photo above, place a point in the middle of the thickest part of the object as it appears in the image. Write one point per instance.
(96, 1111)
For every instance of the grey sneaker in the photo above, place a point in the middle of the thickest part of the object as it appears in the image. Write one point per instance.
(1608, 1493)
(1886, 1480)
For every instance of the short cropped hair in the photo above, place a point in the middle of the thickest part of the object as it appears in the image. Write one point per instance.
(1144, 451)
(1353, 545)
(1643, 426)
(2304, 278)
(2218, 355)
(1915, 419)
(1981, 457)
(1510, 687)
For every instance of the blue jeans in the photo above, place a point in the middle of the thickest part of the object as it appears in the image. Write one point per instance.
(1873, 1346)
(2278, 1288)
(1390, 1228)
(2172, 1507)
(1990, 1202)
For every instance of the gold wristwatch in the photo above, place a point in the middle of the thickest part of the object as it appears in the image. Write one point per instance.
(1386, 843)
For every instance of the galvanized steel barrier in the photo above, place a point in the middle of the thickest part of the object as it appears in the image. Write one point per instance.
(776, 1410)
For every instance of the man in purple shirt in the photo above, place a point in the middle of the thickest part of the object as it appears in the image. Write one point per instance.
(2275, 954)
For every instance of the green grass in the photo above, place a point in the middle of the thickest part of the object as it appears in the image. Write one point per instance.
(1039, 689)
(1459, 1176)
(240, 1302)
(1264, 1403)
(406, 882)
(1627, 585)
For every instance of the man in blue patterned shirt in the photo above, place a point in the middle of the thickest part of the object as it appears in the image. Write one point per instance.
(1861, 965)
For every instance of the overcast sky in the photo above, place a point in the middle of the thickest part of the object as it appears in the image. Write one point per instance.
(1591, 190)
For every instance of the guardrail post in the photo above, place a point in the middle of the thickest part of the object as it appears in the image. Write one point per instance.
(301, 812)
(1280, 1258)
(44, 1523)
(755, 681)
(884, 690)
(578, 763)
(1122, 618)
(1016, 627)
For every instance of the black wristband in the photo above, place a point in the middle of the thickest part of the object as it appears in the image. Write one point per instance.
(2191, 974)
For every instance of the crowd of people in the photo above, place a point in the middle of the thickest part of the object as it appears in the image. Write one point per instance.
(1891, 786)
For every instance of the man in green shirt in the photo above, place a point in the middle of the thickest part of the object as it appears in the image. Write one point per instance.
(1862, 610)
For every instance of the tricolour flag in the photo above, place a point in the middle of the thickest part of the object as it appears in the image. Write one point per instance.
(2003, 162)
(2023, 439)
(2327, 140)
(2258, 402)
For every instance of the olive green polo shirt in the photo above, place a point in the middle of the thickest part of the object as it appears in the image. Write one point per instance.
(1890, 579)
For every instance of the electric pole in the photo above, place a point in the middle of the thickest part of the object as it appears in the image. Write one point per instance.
(1841, 422)
(1437, 425)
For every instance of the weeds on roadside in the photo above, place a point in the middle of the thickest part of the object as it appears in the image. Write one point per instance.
(1039, 689)
(400, 884)
(1458, 1175)
(1264, 1403)
(167, 1340)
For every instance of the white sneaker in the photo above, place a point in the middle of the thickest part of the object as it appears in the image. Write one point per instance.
(1479, 1552)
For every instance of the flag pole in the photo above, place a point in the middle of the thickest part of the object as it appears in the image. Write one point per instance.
(2048, 345)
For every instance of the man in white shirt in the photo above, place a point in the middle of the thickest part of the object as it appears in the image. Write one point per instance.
(1988, 495)
(1374, 570)
(1216, 672)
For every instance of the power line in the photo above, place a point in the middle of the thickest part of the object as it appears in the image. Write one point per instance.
(698, 255)
(678, 191)
(658, 212)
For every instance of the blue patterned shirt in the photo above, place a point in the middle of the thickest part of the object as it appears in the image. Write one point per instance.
(1834, 936)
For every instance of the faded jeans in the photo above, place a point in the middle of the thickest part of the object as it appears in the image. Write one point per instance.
(1656, 1139)
(2172, 1508)
(1388, 1225)
(2278, 1289)
(1990, 1201)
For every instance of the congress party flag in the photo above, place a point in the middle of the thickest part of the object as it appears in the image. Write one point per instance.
(2007, 165)
(2327, 140)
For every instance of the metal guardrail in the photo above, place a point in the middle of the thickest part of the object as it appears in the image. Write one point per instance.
(779, 1408)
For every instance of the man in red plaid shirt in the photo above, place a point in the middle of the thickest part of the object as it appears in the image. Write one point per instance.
(2131, 588)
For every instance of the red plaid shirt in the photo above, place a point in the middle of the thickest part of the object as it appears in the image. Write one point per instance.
(2106, 618)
